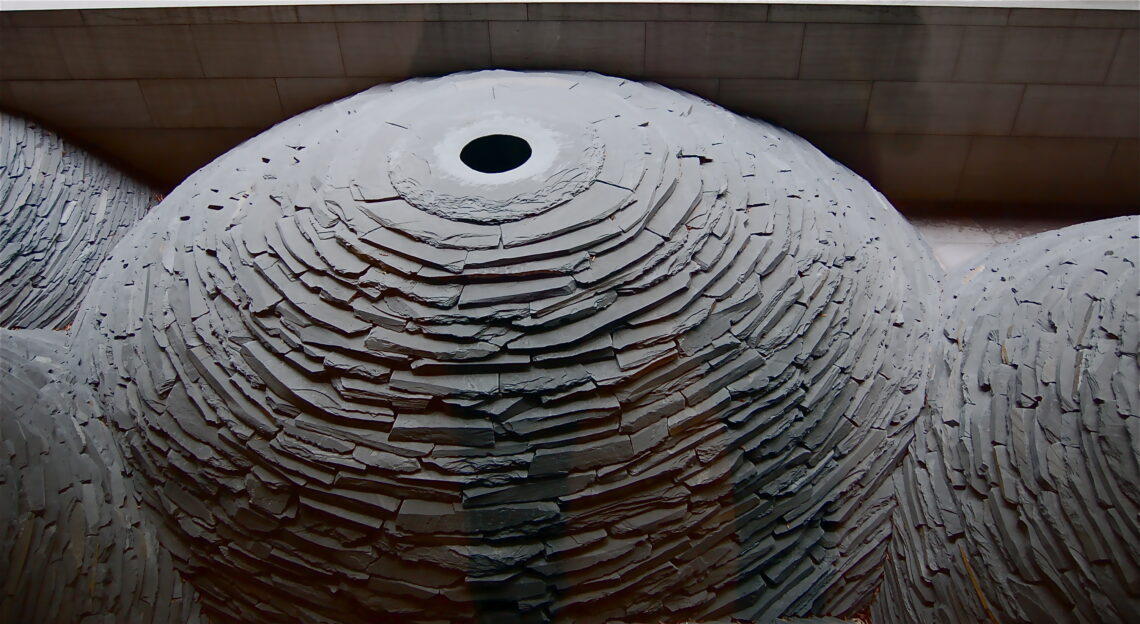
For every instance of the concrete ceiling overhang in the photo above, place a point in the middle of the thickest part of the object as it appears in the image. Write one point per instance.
(936, 103)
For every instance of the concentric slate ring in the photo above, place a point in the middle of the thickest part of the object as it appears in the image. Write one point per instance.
(426, 170)
(660, 372)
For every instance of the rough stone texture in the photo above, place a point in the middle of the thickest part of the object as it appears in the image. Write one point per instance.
(665, 369)
(74, 543)
(61, 212)
(1020, 497)
(661, 370)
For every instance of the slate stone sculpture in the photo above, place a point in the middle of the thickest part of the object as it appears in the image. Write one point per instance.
(1020, 497)
(75, 543)
(507, 347)
(61, 212)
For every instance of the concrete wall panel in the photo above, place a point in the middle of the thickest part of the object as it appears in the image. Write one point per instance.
(212, 103)
(31, 53)
(79, 104)
(870, 79)
(286, 50)
(1036, 170)
(725, 49)
(1049, 55)
(608, 47)
(879, 51)
(1064, 110)
(129, 52)
(807, 105)
(1125, 68)
(301, 94)
(413, 48)
(943, 107)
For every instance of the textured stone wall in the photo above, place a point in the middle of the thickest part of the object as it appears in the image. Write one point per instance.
(1019, 501)
(75, 545)
(61, 211)
(655, 362)
(661, 369)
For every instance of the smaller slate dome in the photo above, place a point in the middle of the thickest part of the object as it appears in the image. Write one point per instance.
(61, 212)
(1019, 499)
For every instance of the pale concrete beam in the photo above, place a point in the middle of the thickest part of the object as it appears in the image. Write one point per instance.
(413, 48)
(649, 11)
(1064, 110)
(129, 52)
(943, 107)
(723, 49)
(426, 12)
(880, 14)
(78, 103)
(1073, 17)
(212, 102)
(268, 50)
(30, 19)
(266, 14)
(607, 47)
(800, 105)
(1024, 54)
(879, 52)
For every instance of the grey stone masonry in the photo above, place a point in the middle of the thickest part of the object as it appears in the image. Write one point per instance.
(75, 543)
(1018, 501)
(556, 347)
(61, 211)
(661, 368)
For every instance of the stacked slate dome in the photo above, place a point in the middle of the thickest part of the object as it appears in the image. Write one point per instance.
(61, 212)
(75, 543)
(521, 346)
(1019, 501)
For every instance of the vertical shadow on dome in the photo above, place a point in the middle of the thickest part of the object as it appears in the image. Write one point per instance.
(507, 528)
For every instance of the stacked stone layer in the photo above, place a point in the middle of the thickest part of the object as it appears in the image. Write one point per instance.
(662, 370)
(75, 545)
(61, 212)
(1019, 501)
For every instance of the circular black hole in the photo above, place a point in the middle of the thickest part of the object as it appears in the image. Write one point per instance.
(495, 153)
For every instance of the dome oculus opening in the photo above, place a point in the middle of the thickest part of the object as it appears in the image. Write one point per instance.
(495, 153)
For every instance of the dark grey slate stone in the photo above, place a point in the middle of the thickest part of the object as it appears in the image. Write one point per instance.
(75, 541)
(668, 326)
(1006, 496)
(61, 212)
